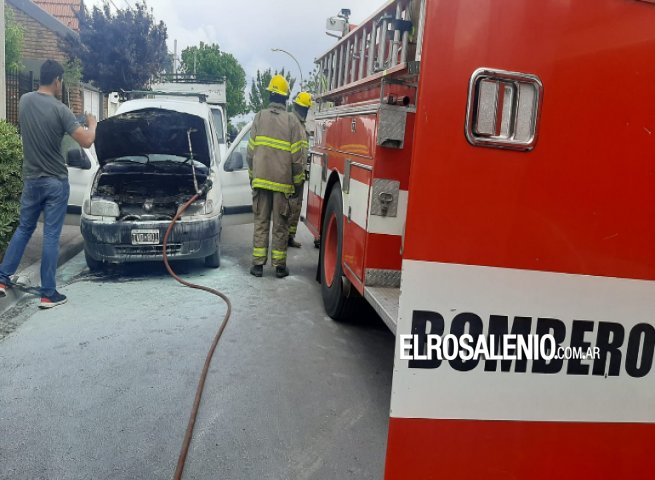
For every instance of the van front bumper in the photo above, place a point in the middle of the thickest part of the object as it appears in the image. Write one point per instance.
(112, 242)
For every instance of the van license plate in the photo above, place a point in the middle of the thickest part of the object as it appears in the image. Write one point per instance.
(145, 237)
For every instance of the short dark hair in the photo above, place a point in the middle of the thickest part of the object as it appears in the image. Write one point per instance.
(50, 70)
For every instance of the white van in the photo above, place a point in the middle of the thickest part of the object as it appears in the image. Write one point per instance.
(153, 155)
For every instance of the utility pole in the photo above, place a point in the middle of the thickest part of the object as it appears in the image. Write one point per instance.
(175, 57)
(3, 73)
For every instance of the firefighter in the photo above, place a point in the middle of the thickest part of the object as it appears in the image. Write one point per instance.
(301, 106)
(276, 168)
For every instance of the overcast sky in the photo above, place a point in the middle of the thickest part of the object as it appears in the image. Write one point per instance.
(250, 28)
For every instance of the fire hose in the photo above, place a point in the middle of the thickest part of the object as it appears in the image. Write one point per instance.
(203, 376)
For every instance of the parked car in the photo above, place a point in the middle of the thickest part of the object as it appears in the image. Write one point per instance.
(82, 166)
(233, 175)
(153, 155)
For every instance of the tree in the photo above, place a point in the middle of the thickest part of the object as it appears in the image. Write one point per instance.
(13, 41)
(259, 94)
(122, 50)
(317, 82)
(209, 61)
(11, 184)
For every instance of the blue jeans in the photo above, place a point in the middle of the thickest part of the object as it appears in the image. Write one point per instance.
(50, 196)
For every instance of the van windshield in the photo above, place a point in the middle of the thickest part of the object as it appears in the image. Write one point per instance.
(218, 122)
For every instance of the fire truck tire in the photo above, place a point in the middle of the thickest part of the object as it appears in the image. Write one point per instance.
(340, 298)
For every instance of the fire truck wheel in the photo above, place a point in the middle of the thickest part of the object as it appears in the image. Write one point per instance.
(339, 297)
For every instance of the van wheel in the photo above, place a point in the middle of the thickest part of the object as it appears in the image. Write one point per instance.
(93, 264)
(340, 298)
(214, 260)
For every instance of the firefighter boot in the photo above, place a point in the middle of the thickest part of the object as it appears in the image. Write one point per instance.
(293, 243)
(281, 272)
(257, 270)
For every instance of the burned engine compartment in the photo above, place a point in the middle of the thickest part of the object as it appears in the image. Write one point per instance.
(147, 193)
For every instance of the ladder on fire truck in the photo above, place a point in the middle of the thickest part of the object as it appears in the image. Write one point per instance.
(375, 49)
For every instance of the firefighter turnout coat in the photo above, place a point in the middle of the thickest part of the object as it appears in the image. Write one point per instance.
(276, 151)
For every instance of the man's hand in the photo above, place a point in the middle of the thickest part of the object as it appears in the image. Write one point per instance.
(297, 190)
(91, 121)
(86, 136)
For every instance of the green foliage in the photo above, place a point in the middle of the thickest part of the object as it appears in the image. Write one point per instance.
(209, 61)
(73, 71)
(259, 94)
(122, 50)
(11, 185)
(13, 41)
(317, 82)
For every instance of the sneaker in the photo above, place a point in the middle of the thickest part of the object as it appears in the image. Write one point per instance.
(53, 300)
(293, 243)
(281, 272)
(257, 270)
(3, 290)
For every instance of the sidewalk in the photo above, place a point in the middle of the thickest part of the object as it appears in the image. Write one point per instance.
(70, 244)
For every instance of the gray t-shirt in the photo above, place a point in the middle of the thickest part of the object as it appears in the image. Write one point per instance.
(44, 121)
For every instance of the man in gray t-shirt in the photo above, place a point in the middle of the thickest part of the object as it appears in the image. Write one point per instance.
(44, 121)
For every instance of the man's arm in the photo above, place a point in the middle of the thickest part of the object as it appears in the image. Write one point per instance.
(86, 137)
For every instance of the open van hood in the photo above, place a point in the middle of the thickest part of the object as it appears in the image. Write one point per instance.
(151, 131)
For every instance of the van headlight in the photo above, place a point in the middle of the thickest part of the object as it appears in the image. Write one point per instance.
(103, 208)
(200, 207)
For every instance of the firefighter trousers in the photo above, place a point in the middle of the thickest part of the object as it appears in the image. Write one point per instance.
(295, 204)
(269, 206)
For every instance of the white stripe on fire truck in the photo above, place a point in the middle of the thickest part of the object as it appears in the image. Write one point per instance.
(390, 225)
(359, 200)
(356, 203)
(600, 311)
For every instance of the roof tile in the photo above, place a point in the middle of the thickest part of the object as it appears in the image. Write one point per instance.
(62, 10)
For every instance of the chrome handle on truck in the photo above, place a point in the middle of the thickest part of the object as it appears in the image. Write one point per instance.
(386, 199)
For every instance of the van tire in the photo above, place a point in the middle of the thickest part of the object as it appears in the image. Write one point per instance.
(214, 260)
(93, 264)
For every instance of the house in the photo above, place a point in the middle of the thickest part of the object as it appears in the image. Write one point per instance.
(44, 36)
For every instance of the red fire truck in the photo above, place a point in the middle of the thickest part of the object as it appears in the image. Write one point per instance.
(488, 166)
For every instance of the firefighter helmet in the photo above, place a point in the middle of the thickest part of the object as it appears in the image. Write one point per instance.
(304, 99)
(279, 85)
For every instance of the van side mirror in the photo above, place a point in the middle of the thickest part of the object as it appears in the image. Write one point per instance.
(234, 162)
(76, 158)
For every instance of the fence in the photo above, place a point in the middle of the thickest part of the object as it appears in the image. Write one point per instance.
(18, 83)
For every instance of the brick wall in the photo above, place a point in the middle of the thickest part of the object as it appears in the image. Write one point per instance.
(40, 44)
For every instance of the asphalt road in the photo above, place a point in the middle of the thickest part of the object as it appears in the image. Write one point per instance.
(101, 387)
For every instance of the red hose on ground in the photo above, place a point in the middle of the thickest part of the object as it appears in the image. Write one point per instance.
(203, 376)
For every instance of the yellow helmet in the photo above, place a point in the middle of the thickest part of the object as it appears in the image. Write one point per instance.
(304, 99)
(279, 85)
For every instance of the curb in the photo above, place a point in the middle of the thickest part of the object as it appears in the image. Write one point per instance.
(30, 274)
